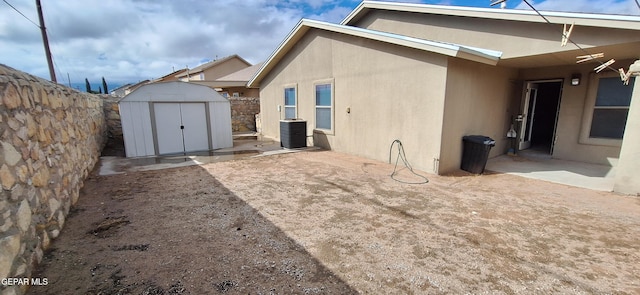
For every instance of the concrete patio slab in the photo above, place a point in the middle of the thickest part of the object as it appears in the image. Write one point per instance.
(578, 174)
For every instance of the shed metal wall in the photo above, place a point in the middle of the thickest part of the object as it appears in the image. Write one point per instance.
(220, 115)
(136, 129)
(137, 116)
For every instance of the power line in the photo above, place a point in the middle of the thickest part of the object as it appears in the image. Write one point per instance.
(565, 35)
(638, 3)
(5, 1)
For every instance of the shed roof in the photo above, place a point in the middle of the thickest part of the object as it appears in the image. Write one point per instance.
(174, 91)
(583, 19)
(454, 50)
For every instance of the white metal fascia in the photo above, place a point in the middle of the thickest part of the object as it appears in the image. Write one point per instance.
(486, 56)
(630, 22)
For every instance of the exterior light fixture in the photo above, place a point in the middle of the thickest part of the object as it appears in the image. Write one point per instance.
(575, 79)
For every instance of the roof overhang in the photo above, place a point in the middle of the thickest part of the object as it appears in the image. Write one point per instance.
(582, 19)
(189, 73)
(481, 55)
(618, 52)
(203, 67)
(221, 84)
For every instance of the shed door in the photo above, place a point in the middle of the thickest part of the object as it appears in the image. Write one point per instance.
(181, 127)
(194, 120)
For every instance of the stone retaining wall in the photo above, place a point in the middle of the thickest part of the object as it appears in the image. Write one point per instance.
(243, 113)
(112, 115)
(51, 138)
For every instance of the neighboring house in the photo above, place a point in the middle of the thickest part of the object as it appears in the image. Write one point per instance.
(235, 84)
(245, 102)
(215, 69)
(123, 90)
(429, 75)
(120, 91)
(132, 88)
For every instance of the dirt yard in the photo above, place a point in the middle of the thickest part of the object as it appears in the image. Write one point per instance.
(327, 223)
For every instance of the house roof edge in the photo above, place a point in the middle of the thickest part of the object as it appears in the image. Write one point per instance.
(454, 50)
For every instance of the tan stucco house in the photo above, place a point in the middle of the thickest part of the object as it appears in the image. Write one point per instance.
(429, 75)
(214, 69)
(235, 84)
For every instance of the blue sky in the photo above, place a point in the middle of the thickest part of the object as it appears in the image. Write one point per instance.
(133, 40)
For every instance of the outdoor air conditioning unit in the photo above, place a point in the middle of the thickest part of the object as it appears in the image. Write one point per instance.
(293, 133)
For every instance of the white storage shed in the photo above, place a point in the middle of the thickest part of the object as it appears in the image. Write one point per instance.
(174, 117)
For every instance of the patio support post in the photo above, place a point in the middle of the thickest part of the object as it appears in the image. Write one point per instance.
(627, 179)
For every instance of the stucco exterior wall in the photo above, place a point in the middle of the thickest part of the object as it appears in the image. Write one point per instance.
(230, 66)
(391, 92)
(514, 39)
(477, 102)
(627, 176)
(295, 70)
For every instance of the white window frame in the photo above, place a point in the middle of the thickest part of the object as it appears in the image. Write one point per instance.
(590, 106)
(201, 76)
(284, 101)
(225, 94)
(331, 107)
(236, 94)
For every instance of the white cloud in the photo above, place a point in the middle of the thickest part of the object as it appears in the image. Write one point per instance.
(627, 7)
(132, 40)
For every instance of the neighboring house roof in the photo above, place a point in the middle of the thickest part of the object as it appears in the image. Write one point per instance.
(242, 75)
(133, 87)
(584, 19)
(211, 64)
(236, 79)
(121, 88)
(454, 50)
(171, 75)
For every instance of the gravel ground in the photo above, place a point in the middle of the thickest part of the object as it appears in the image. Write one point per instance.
(328, 223)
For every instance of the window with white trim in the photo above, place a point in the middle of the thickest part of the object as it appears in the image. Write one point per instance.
(324, 106)
(290, 98)
(611, 108)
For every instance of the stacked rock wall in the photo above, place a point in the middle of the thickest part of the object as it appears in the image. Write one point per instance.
(243, 113)
(112, 115)
(51, 138)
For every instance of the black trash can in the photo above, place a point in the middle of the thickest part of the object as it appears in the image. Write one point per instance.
(293, 134)
(475, 153)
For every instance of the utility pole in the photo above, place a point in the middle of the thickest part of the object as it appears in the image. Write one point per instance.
(45, 40)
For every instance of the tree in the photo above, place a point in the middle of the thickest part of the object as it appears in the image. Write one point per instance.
(104, 86)
(87, 85)
(99, 90)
